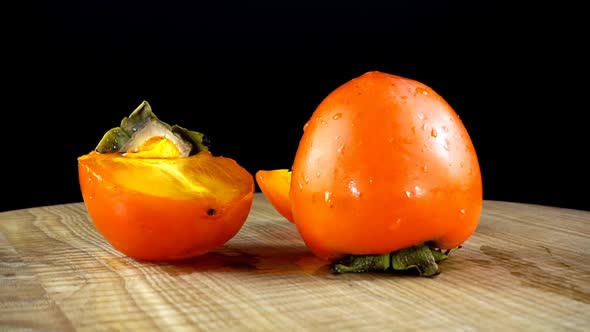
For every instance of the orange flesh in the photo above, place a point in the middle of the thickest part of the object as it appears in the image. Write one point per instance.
(155, 147)
(275, 185)
(165, 208)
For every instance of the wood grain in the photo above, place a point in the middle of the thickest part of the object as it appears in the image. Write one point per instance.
(527, 268)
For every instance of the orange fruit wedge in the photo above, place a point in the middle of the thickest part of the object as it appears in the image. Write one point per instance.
(275, 185)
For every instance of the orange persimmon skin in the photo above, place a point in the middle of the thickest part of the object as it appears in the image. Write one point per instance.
(161, 227)
(275, 185)
(384, 163)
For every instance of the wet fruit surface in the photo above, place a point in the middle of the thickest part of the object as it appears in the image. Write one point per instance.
(384, 163)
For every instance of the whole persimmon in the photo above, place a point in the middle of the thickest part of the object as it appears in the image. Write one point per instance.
(385, 176)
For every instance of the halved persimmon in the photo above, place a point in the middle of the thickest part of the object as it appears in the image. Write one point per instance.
(153, 195)
(275, 185)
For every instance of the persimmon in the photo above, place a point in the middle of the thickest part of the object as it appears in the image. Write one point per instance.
(275, 184)
(156, 192)
(385, 177)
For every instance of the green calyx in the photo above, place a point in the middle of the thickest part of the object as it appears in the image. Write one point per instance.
(420, 258)
(141, 125)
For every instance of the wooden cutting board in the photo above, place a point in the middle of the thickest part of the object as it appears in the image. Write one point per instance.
(527, 268)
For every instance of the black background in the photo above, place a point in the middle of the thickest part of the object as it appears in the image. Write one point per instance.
(249, 74)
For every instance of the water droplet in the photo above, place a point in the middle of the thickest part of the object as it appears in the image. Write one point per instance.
(354, 189)
(446, 145)
(433, 132)
(461, 213)
(418, 191)
(318, 174)
(328, 198)
(395, 224)
(446, 129)
(300, 185)
(425, 168)
(371, 180)
(408, 194)
(337, 116)
(422, 91)
(306, 180)
(424, 126)
(340, 148)
(305, 126)
(421, 116)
